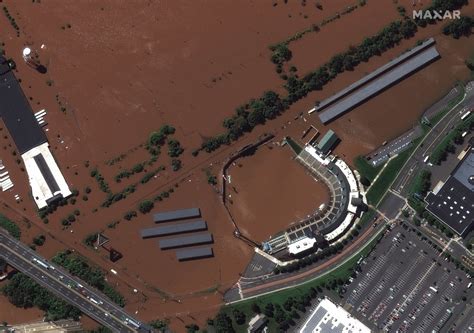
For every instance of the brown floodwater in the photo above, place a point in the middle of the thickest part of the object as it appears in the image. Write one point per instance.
(270, 191)
(123, 71)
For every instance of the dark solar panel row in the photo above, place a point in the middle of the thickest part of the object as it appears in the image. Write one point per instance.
(182, 241)
(174, 229)
(196, 253)
(177, 215)
(46, 172)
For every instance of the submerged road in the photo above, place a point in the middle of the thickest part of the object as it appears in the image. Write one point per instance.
(72, 290)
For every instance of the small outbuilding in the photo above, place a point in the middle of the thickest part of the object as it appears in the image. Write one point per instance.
(327, 143)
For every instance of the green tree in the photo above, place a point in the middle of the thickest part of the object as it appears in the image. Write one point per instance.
(223, 323)
(145, 206)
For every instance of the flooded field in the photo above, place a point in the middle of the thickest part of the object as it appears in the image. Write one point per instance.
(115, 73)
(270, 191)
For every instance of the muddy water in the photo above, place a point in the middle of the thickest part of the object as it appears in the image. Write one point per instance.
(190, 65)
(270, 190)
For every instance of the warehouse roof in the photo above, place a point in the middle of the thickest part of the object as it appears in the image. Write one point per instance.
(374, 74)
(174, 229)
(177, 215)
(17, 113)
(195, 253)
(197, 239)
(379, 84)
(464, 172)
(453, 203)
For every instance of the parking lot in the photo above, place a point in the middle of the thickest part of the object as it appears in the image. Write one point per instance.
(407, 285)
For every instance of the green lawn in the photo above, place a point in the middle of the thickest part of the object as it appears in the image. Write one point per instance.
(437, 117)
(378, 189)
(342, 272)
(365, 169)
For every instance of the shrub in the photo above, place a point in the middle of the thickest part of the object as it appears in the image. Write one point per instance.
(145, 206)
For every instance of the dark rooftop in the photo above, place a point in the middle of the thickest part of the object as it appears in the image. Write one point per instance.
(410, 65)
(174, 229)
(454, 205)
(47, 174)
(17, 113)
(195, 253)
(177, 215)
(454, 202)
(196, 239)
(464, 172)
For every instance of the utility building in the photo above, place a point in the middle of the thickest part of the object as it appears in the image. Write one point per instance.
(327, 143)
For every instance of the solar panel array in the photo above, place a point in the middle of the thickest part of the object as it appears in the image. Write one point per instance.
(189, 243)
(174, 215)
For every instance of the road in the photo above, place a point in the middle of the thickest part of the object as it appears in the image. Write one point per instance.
(74, 291)
(246, 289)
(431, 140)
(394, 201)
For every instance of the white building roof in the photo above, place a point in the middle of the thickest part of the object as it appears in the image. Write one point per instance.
(331, 318)
(301, 245)
(41, 186)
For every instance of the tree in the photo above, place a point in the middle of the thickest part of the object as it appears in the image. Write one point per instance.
(192, 328)
(281, 53)
(39, 240)
(156, 138)
(256, 308)
(269, 309)
(223, 323)
(239, 316)
(459, 28)
(175, 164)
(145, 206)
(174, 148)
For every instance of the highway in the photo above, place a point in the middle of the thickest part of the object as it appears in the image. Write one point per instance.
(72, 290)
(416, 162)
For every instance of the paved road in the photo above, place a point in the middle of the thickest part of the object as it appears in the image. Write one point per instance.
(432, 139)
(394, 202)
(72, 290)
(251, 288)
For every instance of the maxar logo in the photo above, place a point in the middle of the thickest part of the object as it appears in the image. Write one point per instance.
(436, 15)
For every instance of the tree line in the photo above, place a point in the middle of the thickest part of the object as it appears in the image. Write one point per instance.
(25, 293)
(94, 276)
(270, 105)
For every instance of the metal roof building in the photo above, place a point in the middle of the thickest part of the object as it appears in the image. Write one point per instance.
(174, 229)
(372, 87)
(328, 317)
(327, 142)
(17, 114)
(198, 239)
(453, 203)
(195, 253)
(395, 62)
(177, 215)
